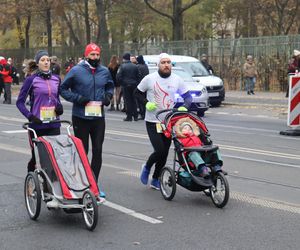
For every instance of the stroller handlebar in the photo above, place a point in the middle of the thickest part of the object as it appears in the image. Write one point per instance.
(173, 110)
(26, 124)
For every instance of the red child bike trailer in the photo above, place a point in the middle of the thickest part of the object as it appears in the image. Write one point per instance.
(63, 177)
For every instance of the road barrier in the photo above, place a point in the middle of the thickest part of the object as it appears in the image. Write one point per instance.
(293, 120)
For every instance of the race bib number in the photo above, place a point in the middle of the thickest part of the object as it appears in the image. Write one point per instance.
(47, 113)
(93, 109)
(159, 128)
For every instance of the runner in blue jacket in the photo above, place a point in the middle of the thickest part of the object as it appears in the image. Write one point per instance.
(89, 86)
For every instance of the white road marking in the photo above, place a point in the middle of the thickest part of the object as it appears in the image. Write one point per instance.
(263, 202)
(132, 213)
(14, 131)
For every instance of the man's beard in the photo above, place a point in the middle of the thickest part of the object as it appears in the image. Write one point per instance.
(164, 74)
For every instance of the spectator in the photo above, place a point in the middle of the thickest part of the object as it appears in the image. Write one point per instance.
(1, 78)
(113, 67)
(293, 67)
(250, 74)
(89, 86)
(205, 63)
(69, 64)
(55, 67)
(128, 77)
(14, 73)
(6, 73)
(133, 59)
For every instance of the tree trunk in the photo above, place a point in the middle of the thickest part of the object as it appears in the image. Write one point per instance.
(177, 20)
(102, 36)
(87, 22)
(27, 37)
(49, 29)
(20, 33)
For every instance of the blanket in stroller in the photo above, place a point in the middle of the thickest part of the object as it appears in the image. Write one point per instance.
(69, 162)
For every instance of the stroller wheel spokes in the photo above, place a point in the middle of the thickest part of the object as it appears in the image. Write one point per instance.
(33, 195)
(90, 210)
(167, 183)
(219, 192)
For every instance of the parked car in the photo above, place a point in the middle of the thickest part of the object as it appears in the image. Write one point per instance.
(198, 91)
(214, 84)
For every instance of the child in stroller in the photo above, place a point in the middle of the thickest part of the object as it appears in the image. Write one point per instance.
(187, 132)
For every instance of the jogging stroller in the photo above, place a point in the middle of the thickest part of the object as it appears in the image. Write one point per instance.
(63, 177)
(183, 172)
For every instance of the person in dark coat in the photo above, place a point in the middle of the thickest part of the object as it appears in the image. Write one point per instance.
(55, 67)
(143, 71)
(128, 77)
(205, 63)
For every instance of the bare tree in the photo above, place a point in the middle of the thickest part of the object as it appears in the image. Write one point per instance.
(176, 17)
(279, 15)
(87, 21)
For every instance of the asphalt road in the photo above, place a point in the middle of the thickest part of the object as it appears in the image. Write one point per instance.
(262, 213)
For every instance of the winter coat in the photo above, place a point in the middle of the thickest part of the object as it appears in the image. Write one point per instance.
(113, 73)
(42, 93)
(249, 70)
(143, 71)
(6, 72)
(82, 82)
(128, 74)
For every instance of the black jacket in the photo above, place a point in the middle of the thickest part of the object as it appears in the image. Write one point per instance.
(143, 71)
(128, 74)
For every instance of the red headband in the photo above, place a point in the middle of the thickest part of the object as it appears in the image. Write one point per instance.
(90, 48)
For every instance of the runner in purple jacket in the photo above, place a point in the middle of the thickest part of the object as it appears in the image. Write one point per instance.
(42, 89)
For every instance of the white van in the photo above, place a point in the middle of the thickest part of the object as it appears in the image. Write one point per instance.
(214, 84)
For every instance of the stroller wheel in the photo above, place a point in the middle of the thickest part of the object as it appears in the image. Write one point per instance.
(90, 210)
(219, 191)
(167, 183)
(33, 196)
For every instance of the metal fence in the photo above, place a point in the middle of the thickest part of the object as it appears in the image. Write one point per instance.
(227, 56)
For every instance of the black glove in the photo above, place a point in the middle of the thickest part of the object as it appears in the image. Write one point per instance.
(59, 110)
(35, 119)
(83, 100)
(107, 99)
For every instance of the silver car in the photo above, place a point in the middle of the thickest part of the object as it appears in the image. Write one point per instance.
(198, 91)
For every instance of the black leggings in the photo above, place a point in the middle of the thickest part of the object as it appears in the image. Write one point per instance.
(161, 146)
(83, 129)
(39, 132)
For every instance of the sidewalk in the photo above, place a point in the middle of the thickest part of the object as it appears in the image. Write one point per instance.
(277, 99)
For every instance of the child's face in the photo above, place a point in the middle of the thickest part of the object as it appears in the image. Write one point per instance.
(187, 129)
